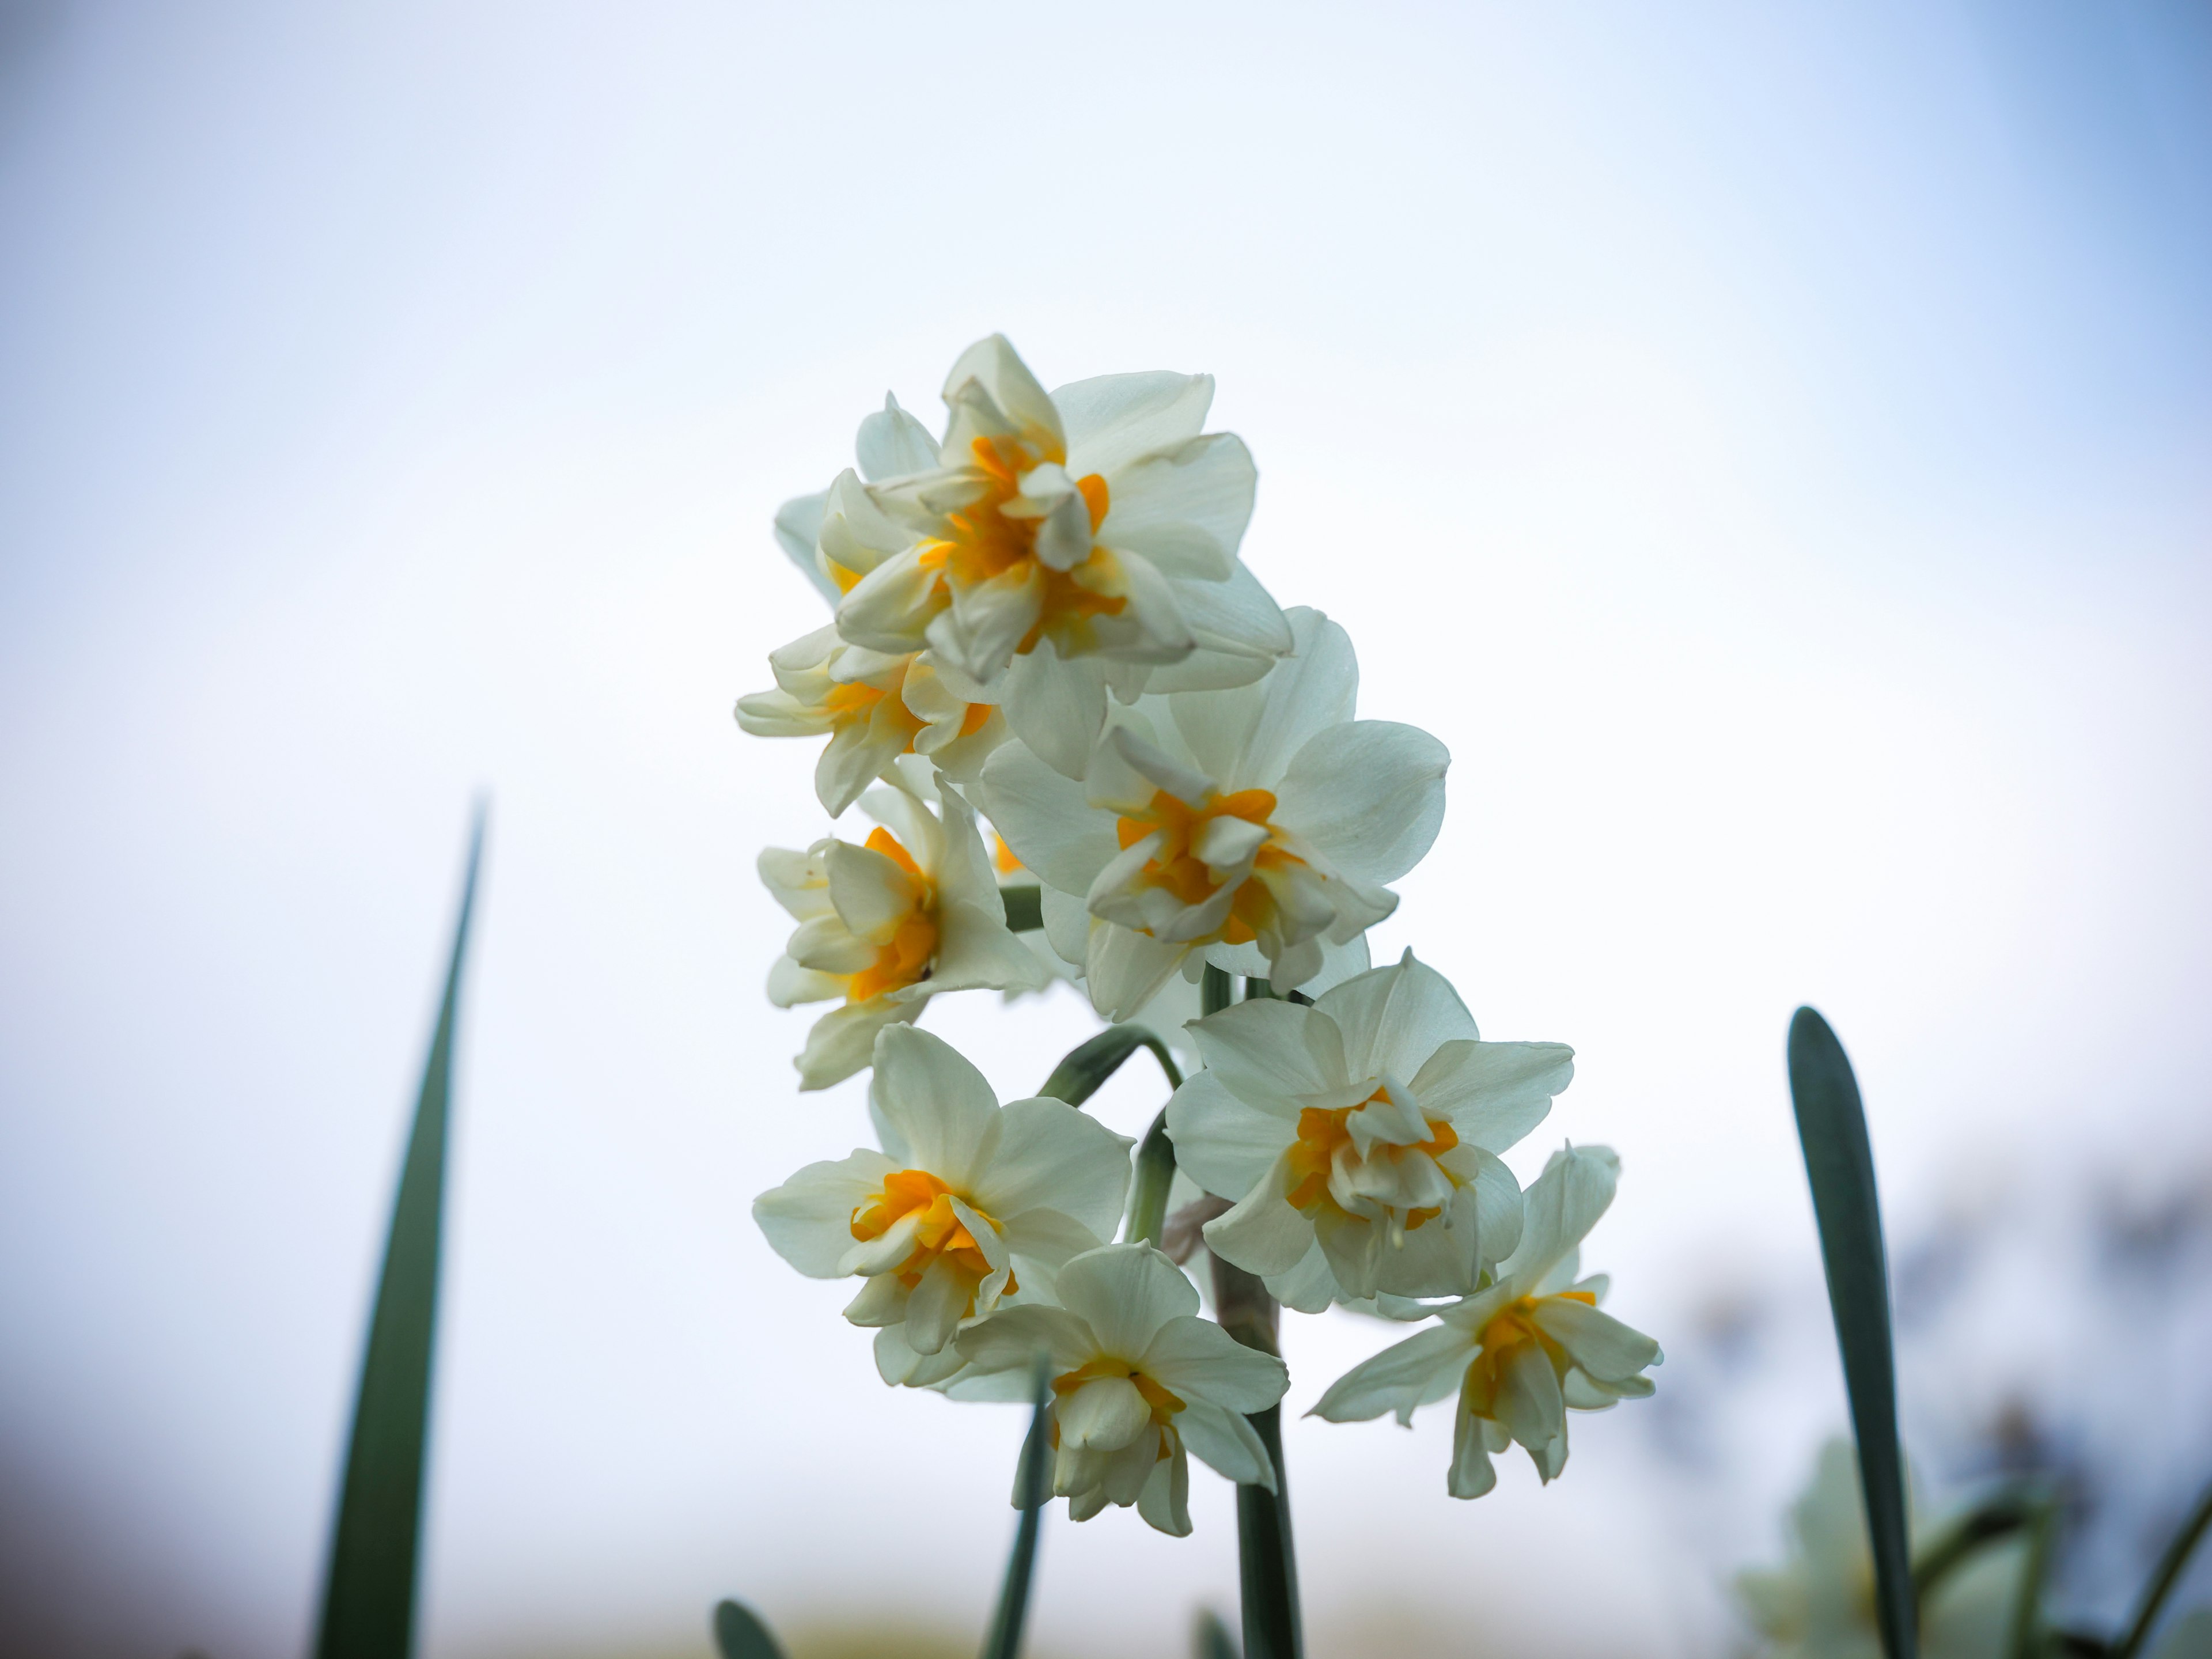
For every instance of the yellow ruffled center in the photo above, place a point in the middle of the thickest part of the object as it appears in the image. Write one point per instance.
(1322, 1132)
(940, 1235)
(1510, 1330)
(1174, 866)
(905, 958)
(858, 703)
(982, 542)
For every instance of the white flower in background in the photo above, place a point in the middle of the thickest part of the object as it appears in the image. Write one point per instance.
(968, 1203)
(887, 924)
(1359, 1138)
(1820, 1604)
(1052, 546)
(1520, 1352)
(875, 709)
(1254, 826)
(1138, 1381)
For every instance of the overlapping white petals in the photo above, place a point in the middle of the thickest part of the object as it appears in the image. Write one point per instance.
(1252, 829)
(1053, 546)
(968, 1204)
(1362, 1132)
(1137, 1380)
(1521, 1352)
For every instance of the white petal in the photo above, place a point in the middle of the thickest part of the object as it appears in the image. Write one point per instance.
(1050, 1156)
(892, 443)
(1112, 419)
(1558, 1211)
(1246, 738)
(1472, 1473)
(990, 369)
(789, 984)
(935, 1308)
(808, 1219)
(1225, 1441)
(1047, 823)
(872, 894)
(1225, 1143)
(1394, 1018)
(1104, 1414)
(1125, 970)
(1056, 707)
(798, 523)
(1124, 1293)
(1531, 1409)
(890, 609)
(1608, 1350)
(1370, 795)
(1164, 1503)
(939, 1102)
(1238, 631)
(1195, 1359)
(1262, 1234)
(1011, 1337)
(1309, 1287)
(1184, 508)
(1403, 1376)
(843, 1041)
(1494, 1092)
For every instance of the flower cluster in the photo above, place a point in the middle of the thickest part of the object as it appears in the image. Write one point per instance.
(1042, 616)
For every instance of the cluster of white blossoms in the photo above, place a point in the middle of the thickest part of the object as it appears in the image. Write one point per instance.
(1042, 616)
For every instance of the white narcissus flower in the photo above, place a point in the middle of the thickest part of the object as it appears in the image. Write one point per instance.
(887, 925)
(1137, 1380)
(1520, 1352)
(1052, 546)
(1359, 1138)
(874, 707)
(1254, 827)
(1820, 1605)
(968, 1203)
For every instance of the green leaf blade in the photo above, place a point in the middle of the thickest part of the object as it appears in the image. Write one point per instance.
(369, 1594)
(1839, 1165)
(739, 1633)
(1005, 1639)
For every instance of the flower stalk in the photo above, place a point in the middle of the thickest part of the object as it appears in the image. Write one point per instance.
(1267, 1568)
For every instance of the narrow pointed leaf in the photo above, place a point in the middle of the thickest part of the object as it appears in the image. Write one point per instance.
(1004, 1640)
(739, 1634)
(368, 1596)
(2165, 1576)
(1840, 1165)
(1088, 1065)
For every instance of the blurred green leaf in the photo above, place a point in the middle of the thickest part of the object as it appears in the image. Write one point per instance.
(739, 1634)
(1155, 1178)
(1214, 1641)
(1024, 909)
(1005, 1641)
(2164, 1576)
(1840, 1165)
(1088, 1065)
(369, 1597)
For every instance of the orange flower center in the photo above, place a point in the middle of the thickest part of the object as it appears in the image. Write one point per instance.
(940, 1235)
(856, 703)
(1322, 1132)
(982, 542)
(905, 958)
(1510, 1330)
(1174, 866)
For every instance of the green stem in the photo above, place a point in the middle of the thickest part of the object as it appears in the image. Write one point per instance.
(1215, 991)
(1999, 1517)
(2028, 1639)
(1088, 1065)
(1024, 909)
(1004, 1640)
(2163, 1580)
(1268, 1570)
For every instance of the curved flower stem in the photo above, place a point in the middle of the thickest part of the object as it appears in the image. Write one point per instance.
(1267, 1568)
(2168, 1575)
(1999, 1516)
(1004, 1640)
(1089, 1064)
(1024, 909)
(2028, 1637)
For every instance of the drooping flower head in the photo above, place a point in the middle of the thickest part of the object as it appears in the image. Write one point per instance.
(1254, 826)
(1522, 1351)
(1137, 1380)
(1052, 544)
(1359, 1136)
(886, 924)
(967, 1204)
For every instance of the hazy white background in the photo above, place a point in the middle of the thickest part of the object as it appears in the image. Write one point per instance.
(1769, 445)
